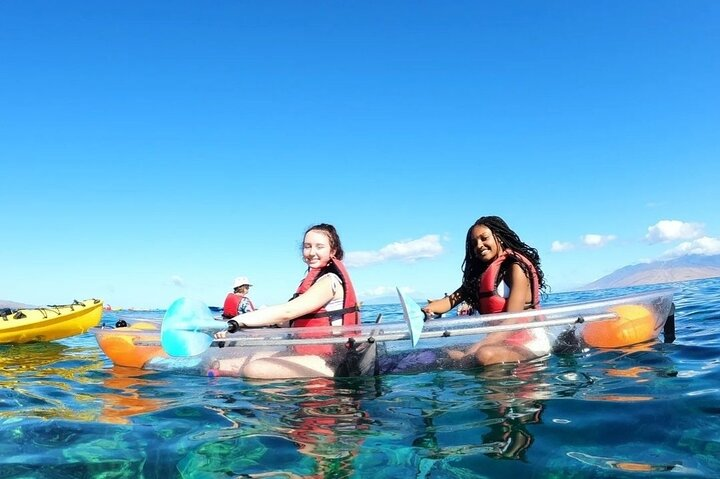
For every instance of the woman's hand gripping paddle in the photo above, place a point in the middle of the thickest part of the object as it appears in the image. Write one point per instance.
(413, 315)
(187, 328)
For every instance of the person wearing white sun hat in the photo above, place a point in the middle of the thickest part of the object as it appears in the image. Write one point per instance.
(237, 302)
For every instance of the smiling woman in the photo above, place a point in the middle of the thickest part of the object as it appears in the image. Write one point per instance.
(325, 297)
(501, 274)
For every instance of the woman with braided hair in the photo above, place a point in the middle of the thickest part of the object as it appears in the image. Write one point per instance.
(500, 274)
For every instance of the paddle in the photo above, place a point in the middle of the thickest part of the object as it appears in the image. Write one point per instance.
(396, 335)
(187, 326)
(413, 315)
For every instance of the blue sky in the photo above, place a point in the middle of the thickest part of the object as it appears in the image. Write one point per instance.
(152, 150)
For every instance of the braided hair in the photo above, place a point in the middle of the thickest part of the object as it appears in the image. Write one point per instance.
(473, 266)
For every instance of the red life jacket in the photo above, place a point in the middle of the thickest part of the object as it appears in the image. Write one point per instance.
(490, 300)
(230, 308)
(232, 303)
(350, 311)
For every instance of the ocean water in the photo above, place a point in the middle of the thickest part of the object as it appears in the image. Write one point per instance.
(642, 412)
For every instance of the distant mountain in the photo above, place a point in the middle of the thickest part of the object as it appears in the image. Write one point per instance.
(13, 305)
(683, 268)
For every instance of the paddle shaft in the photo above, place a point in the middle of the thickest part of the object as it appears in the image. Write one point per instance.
(238, 341)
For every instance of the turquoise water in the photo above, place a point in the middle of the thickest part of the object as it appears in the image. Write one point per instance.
(649, 411)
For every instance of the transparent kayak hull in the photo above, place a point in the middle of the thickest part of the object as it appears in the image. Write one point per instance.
(611, 323)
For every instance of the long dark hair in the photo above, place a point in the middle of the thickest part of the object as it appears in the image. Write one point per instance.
(332, 235)
(473, 266)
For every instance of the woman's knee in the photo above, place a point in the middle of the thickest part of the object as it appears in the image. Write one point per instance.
(487, 356)
(496, 355)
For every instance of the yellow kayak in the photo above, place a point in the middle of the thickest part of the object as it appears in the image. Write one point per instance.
(48, 323)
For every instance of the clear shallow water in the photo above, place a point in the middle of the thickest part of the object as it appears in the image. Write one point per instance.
(649, 411)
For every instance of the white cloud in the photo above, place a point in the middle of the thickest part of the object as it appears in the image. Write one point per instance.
(704, 246)
(597, 241)
(426, 247)
(560, 246)
(673, 230)
(177, 281)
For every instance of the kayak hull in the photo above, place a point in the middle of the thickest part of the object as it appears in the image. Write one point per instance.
(612, 323)
(49, 323)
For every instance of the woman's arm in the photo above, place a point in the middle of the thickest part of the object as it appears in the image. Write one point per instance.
(519, 285)
(443, 305)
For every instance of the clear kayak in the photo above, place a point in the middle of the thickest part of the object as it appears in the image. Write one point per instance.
(187, 345)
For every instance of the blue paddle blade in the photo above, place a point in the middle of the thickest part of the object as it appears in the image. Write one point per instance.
(413, 316)
(185, 343)
(185, 327)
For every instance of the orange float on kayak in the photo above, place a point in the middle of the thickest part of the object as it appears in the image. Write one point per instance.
(124, 350)
(634, 325)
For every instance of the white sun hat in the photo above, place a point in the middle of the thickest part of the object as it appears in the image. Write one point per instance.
(240, 281)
